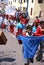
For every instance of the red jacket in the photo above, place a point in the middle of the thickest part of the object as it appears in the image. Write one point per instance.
(37, 21)
(38, 32)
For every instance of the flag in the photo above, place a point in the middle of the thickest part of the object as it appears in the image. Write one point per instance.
(30, 44)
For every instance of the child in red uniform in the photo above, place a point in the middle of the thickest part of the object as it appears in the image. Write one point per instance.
(19, 29)
(38, 30)
(39, 33)
(37, 19)
(28, 31)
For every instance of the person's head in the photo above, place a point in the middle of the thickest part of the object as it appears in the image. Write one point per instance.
(29, 29)
(35, 24)
(37, 17)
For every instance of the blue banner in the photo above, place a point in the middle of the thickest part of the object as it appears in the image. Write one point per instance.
(30, 44)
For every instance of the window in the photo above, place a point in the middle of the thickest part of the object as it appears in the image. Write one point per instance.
(1, 0)
(25, 0)
(11, 2)
(20, 1)
(31, 11)
(24, 8)
(15, 0)
(32, 1)
(40, 1)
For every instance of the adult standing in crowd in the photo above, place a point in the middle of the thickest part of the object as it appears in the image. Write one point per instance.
(37, 19)
(39, 33)
(34, 26)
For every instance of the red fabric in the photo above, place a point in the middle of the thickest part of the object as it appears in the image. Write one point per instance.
(3, 25)
(11, 28)
(37, 21)
(38, 32)
(19, 32)
(16, 33)
(20, 17)
(23, 34)
(24, 21)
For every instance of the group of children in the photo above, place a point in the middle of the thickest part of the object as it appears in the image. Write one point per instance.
(21, 29)
(34, 30)
(7, 22)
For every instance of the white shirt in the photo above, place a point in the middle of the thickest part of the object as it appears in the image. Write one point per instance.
(5, 21)
(27, 34)
(11, 22)
(14, 23)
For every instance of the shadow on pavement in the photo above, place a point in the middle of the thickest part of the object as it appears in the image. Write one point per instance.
(7, 59)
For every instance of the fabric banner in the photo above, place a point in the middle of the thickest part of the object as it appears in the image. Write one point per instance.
(30, 44)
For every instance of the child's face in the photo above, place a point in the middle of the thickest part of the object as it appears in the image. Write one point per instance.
(34, 23)
(29, 31)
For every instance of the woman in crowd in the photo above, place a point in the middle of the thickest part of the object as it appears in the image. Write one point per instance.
(39, 33)
(34, 27)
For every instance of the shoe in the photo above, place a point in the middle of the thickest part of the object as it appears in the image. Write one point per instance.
(38, 58)
(31, 60)
(26, 64)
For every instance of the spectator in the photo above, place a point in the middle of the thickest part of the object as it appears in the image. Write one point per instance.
(39, 33)
(37, 19)
(27, 33)
(34, 26)
(38, 30)
(20, 27)
(6, 22)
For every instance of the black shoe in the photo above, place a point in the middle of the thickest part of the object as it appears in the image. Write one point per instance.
(38, 59)
(31, 60)
(26, 64)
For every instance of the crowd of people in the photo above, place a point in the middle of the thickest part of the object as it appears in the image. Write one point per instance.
(18, 25)
(35, 30)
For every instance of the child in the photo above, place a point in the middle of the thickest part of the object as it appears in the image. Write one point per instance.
(19, 30)
(29, 30)
(28, 33)
(39, 33)
(34, 26)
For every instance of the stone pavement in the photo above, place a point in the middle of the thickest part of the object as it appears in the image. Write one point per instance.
(11, 53)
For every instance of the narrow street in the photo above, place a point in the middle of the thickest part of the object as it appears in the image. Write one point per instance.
(11, 53)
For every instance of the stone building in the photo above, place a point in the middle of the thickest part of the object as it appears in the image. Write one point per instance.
(35, 7)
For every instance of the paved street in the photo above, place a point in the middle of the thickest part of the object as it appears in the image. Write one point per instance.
(11, 53)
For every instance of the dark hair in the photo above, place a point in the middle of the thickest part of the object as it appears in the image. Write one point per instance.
(36, 16)
(29, 27)
(36, 24)
(42, 22)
